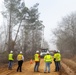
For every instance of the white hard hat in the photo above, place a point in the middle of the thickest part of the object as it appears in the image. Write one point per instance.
(37, 51)
(58, 51)
(47, 52)
(11, 51)
(20, 52)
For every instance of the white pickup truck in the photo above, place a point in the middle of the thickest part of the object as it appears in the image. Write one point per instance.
(43, 52)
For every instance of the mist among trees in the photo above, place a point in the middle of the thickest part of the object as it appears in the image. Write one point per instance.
(66, 35)
(21, 29)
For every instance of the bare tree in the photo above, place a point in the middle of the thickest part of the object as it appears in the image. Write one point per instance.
(15, 13)
(66, 34)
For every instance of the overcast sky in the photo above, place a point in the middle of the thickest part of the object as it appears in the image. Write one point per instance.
(52, 11)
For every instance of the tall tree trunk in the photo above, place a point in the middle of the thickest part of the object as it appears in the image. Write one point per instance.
(10, 33)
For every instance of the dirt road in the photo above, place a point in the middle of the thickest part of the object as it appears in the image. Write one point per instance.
(69, 66)
(28, 69)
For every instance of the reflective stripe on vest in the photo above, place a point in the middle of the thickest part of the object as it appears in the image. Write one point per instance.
(19, 57)
(36, 57)
(10, 57)
(48, 58)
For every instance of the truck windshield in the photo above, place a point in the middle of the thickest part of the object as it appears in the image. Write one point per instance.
(44, 51)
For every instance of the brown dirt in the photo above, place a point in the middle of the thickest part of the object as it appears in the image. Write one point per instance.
(27, 69)
(70, 64)
(74, 58)
(67, 69)
(62, 71)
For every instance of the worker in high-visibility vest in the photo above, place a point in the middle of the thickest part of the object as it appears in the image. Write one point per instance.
(54, 59)
(20, 59)
(10, 58)
(48, 61)
(57, 59)
(37, 61)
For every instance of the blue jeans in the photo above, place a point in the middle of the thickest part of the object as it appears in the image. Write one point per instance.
(47, 66)
(10, 64)
(57, 65)
(36, 66)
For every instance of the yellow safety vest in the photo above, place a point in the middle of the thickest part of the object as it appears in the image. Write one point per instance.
(57, 57)
(19, 57)
(48, 58)
(36, 56)
(10, 57)
(54, 55)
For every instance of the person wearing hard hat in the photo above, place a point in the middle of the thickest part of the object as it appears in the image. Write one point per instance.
(48, 61)
(10, 58)
(20, 59)
(37, 61)
(57, 59)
